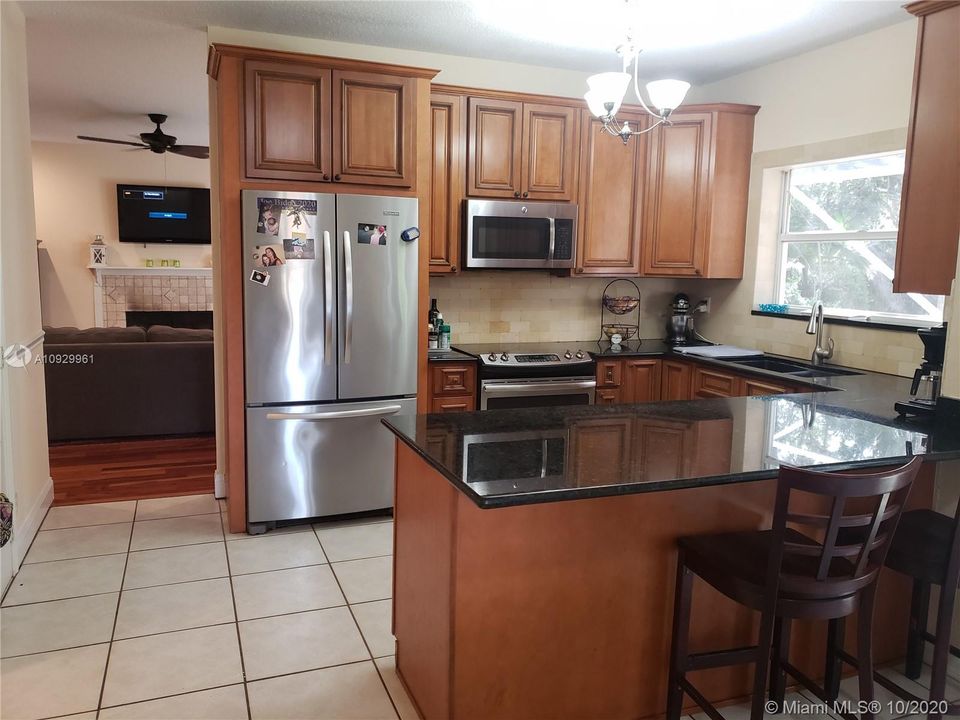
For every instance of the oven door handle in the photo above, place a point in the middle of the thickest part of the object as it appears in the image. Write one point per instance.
(536, 388)
(553, 239)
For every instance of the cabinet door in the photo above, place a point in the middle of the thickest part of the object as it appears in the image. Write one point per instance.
(929, 211)
(708, 383)
(374, 134)
(661, 450)
(460, 403)
(610, 199)
(675, 379)
(753, 386)
(600, 451)
(287, 123)
(448, 147)
(454, 379)
(641, 381)
(493, 164)
(676, 202)
(549, 152)
(607, 396)
(609, 373)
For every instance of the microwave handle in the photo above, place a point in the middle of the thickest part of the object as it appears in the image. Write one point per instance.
(553, 238)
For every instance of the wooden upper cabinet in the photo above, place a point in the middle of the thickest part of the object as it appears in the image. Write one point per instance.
(929, 210)
(287, 121)
(676, 202)
(610, 199)
(641, 380)
(496, 139)
(374, 138)
(695, 201)
(448, 148)
(549, 151)
(675, 379)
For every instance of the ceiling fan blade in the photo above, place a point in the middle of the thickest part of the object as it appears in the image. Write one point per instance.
(194, 151)
(108, 140)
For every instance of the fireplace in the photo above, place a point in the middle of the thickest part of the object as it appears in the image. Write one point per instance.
(173, 318)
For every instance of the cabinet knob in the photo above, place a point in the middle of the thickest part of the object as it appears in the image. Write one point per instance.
(516, 193)
(453, 268)
(326, 177)
(526, 194)
(337, 178)
(579, 270)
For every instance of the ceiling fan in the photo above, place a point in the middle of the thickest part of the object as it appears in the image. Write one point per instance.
(157, 141)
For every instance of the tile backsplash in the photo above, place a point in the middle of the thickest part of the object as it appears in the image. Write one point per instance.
(518, 306)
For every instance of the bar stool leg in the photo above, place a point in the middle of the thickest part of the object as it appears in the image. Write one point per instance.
(865, 648)
(780, 654)
(680, 646)
(836, 630)
(941, 647)
(919, 609)
(764, 644)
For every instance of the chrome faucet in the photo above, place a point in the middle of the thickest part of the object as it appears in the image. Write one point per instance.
(815, 327)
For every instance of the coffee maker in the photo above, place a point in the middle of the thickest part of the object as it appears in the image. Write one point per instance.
(925, 388)
(680, 322)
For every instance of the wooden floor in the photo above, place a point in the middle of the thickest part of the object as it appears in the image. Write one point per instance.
(132, 469)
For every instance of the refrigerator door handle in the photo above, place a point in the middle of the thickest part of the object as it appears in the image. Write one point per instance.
(327, 300)
(336, 414)
(348, 274)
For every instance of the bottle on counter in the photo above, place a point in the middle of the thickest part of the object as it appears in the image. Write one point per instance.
(433, 339)
(444, 337)
(432, 314)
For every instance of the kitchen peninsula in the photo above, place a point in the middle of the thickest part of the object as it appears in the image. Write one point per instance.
(521, 594)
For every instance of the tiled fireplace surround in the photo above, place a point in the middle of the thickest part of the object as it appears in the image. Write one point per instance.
(120, 293)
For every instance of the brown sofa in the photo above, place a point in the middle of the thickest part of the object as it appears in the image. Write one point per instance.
(127, 382)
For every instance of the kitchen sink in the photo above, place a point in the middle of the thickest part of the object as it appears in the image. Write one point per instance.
(790, 367)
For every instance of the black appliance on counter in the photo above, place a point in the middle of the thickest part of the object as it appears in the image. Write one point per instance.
(925, 388)
(524, 375)
(680, 323)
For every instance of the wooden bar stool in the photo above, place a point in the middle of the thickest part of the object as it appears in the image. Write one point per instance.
(785, 574)
(926, 547)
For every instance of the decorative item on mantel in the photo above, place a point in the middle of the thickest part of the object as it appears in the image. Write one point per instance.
(98, 251)
(619, 302)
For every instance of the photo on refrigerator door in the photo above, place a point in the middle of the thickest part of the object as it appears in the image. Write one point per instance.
(269, 255)
(286, 217)
(299, 248)
(371, 234)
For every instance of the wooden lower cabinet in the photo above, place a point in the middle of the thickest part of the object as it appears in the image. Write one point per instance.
(641, 380)
(607, 396)
(753, 386)
(675, 380)
(453, 386)
(710, 383)
(601, 450)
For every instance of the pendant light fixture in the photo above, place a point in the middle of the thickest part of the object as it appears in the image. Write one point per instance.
(607, 90)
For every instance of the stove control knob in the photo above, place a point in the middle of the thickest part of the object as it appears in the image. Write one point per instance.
(567, 355)
(492, 357)
(579, 354)
(504, 357)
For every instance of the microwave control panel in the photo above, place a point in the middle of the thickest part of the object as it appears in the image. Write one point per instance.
(563, 239)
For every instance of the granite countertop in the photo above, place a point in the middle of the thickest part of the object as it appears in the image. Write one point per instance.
(843, 422)
(447, 355)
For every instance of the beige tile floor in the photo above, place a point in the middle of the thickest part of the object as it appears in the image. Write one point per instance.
(150, 610)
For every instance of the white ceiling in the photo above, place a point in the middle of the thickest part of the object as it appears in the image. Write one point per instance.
(97, 67)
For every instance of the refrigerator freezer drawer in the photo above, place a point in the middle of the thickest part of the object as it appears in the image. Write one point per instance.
(315, 460)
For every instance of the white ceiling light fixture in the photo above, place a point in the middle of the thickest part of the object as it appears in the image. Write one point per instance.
(607, 90)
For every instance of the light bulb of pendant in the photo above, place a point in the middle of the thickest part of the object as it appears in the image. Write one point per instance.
(607, 89)
(667, 94)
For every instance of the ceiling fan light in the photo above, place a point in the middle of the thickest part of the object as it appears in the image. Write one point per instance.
(608, 87)
(667, 94)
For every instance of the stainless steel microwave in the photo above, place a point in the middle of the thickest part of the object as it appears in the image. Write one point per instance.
(518, 234)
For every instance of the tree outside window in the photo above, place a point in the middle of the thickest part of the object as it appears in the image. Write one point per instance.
(838, 240)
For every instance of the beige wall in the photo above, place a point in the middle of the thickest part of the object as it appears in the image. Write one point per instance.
(454, 70)
(24, 468)
(75, 197)
(505, 306)
(855, 87)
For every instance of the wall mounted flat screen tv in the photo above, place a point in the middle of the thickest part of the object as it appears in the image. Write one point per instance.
(151, 214)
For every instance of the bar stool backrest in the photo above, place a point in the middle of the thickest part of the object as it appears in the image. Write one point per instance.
(841, 552)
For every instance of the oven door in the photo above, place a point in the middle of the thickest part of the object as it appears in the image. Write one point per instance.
(548, 392)
(520, 235)
(490, 462)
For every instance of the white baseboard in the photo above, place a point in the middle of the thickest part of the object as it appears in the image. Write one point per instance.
(27, 521)
(219, 485)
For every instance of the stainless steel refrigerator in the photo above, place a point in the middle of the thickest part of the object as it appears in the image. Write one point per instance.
(330, 334)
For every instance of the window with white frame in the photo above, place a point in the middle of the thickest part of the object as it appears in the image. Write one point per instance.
(838, 241)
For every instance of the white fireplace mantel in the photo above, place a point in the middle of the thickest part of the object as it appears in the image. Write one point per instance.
(116, 294)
